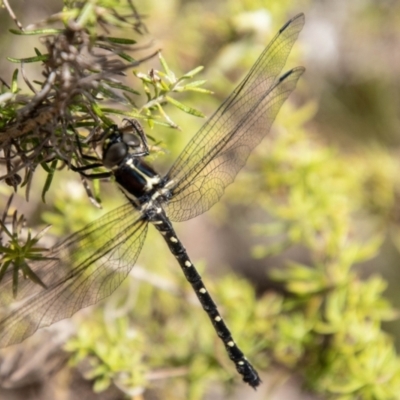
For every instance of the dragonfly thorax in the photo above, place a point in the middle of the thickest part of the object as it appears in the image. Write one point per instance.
(123, 153)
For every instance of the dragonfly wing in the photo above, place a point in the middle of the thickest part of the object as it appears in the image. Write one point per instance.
(219, 150)
(85, 268)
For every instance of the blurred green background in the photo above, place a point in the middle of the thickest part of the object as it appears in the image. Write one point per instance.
(317, 202)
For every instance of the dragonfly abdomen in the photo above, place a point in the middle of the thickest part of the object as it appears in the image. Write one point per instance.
(159, 219)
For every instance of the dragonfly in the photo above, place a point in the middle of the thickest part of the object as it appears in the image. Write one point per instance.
(90, 264)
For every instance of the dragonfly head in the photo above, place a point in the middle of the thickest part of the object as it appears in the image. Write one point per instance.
(118, 144)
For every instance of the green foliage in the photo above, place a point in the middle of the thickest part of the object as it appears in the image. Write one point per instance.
(183, 356)
(329, 325)
(113, 351)
(17, 255)
(158, 87)
(82, 66)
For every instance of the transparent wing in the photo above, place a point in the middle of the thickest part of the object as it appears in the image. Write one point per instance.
(85, 268)
(219, 150)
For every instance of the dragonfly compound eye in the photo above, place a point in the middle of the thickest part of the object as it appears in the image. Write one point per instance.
(114, 154)
(131, 140)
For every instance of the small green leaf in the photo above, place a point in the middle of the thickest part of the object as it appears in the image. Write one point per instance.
(98, 371)
(122, 87)
(5, 229)
(96, 190)
(119, 40)
(303, 287)
(49, 178)
(86, 14)
(126, 57)
(29, 273)
(97, 109)
(370, 249)
(14, 82)
(195, 83)
(165, 66)
(197, 90)
(108, 94)
(192, 73)
(193, 87)
(47, 31)
(4, 268)
(186, 109)
(15, 279)
(44, 57)
(101, 384)
(165, 115)
(165, 86)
